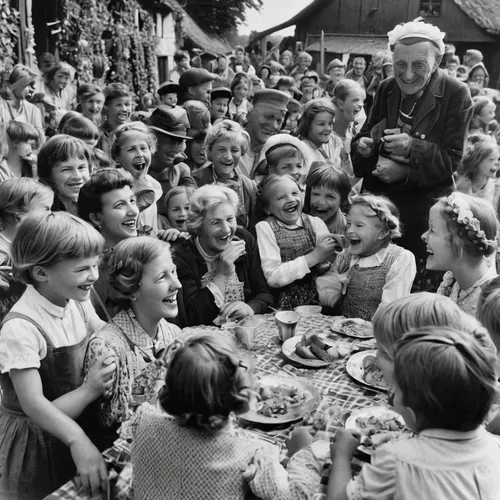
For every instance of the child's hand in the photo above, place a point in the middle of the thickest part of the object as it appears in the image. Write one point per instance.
(90, 466)
(234, 311)
(101, 376)
(172, 234)
(345, 443)
(325, 246)
(299, 438)
(226, 260)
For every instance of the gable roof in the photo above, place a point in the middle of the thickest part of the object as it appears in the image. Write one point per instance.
(304, 13)
(486, 13)
(348, 44)
(209, 43)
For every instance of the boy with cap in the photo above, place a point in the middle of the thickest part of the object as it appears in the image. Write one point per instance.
(196, 83)
(219, 104)
(168, 93)
(170, 127)
(335, 70)
(265, 120)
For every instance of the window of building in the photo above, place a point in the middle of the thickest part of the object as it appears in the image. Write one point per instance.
(430, 8)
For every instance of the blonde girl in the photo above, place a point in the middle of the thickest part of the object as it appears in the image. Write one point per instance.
(132, 149)
(348, 99)
(483, 115)
(291, 243)
(393, 320)
(18, 197)
(378, 271)
(64, 165)
(478, 168)
(207, 381)
(461, 236)
(175, 206)
(315, 131)
(42, 346)
(327, 189)
(445, 383)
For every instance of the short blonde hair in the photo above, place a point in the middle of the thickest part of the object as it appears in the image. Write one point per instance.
(382, 208)
(206, 198)
(45, 239)
(393, 320)
(131, 128)
(227, 129)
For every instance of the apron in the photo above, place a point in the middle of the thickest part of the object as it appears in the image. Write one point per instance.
(33, 463)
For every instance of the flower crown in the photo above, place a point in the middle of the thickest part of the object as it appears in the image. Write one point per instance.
(464, 216)
(417, 29)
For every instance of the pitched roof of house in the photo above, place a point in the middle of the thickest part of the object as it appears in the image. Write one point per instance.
(486, 13)
(210, 43)
(348, 44)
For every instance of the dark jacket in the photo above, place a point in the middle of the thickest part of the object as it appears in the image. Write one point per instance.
(439, 131)
(197, 305)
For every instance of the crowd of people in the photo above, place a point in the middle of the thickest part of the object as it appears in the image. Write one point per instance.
(372, 192)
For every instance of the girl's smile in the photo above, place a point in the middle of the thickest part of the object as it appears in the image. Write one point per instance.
(135, 155)
(440, 255)
(364, 232)
(177, 211)
(285, 201)
(321, 128)
(218, 229)
(324, 202)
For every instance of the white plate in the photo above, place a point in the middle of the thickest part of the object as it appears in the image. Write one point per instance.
(288, 349)
(295, 412)
(338, 327)
(374, 411)
(355, 369)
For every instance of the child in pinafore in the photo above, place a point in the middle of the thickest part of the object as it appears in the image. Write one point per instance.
(377, 271)
(291, 244)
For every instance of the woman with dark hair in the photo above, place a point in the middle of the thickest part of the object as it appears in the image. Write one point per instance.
(143, 284)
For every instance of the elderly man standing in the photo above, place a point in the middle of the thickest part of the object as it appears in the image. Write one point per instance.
(265, 120)
(413, 141)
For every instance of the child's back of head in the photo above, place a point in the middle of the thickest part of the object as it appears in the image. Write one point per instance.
(80, 127)
(206, 380)
(488, 309)
(444, 379)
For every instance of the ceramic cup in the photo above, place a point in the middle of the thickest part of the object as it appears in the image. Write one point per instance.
(286, 321)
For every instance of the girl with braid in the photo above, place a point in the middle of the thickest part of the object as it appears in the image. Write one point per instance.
(206, 383)
(461, 240)
(377, 271)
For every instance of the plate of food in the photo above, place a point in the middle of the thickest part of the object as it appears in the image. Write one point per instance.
(363, 368)
(314, 349)
(353, 327)
(281, 400)
(377, 425)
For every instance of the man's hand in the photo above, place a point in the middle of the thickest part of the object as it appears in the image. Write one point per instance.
(389, 171)
(397, 144)
(366, 146)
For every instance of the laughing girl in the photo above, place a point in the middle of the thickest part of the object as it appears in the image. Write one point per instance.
(290, 243)
(461, 236)
(132, 150)
(378, 271)
(64, 165)
(90, 102)
(477, 172)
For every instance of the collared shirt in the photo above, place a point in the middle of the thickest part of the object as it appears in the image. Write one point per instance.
(438, 464)
(277, 273)
(23, 346)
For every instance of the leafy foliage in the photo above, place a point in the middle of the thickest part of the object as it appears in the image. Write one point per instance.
(9, 36)
(220, 16)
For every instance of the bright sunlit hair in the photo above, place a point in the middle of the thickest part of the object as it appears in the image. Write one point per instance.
(281, 151)
(132, 129)
(206, 381)
(266, 185)
(16, 196)
(445, 377)
(394, 319)
(479, 148)
(126, 266)
(382, 208)
(228, 130)
(463, 240)
(45, 239)
(343, 88)
(206, 198)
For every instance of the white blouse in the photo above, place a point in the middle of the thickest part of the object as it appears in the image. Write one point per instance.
(22, 345)
(279, 274)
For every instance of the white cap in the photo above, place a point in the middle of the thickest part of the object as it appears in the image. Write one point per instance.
(417, 29)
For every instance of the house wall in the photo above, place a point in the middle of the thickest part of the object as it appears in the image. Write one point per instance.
(377, 17)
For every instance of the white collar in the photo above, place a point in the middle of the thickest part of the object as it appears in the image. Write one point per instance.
(33, 296)
(372, 260)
